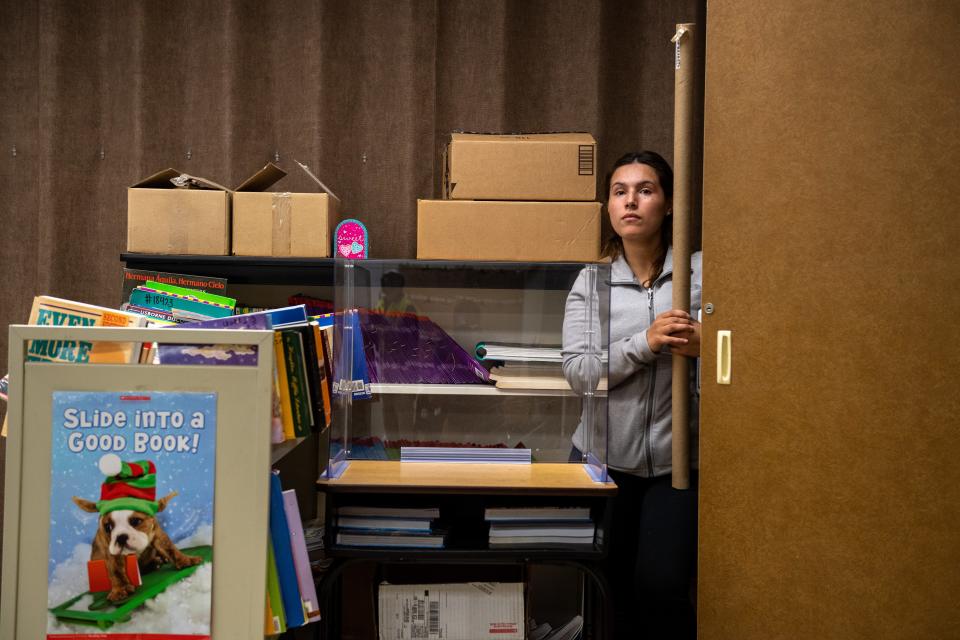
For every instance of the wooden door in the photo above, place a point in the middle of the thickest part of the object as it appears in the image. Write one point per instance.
(830, 467)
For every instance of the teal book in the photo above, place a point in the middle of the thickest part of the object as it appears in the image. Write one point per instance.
(143, 297)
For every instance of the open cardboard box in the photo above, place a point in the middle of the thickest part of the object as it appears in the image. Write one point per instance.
(272, 223)
(174, 213)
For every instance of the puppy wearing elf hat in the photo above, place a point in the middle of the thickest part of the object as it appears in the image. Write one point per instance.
(128, 523)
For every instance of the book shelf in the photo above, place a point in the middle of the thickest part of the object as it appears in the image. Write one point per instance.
(239, 269)
(516, 301)
(242, 397)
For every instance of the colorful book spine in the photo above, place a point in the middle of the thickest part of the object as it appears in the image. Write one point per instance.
(299, 403)
(283, 553)
(313, 375)
(301, 561)
(276, 622)
(306, 371)
(283, 387)
(323, 372)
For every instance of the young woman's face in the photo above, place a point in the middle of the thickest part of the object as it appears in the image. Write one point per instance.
(636, 202)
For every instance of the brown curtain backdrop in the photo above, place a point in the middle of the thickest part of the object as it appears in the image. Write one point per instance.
(96, 95)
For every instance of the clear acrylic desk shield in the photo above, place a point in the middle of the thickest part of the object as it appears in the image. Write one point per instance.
(470, 356)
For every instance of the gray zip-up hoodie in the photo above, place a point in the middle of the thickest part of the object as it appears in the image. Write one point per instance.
(639, 399)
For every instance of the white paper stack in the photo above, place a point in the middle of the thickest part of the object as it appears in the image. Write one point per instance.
(540, 527)
(362, 526)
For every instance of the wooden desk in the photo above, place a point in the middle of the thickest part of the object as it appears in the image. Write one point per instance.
(462, 491)
(564, 479)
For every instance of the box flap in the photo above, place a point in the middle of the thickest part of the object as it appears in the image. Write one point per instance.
(307, 171)
(571, 136)
(159, 180)
(173, 179)
(187, 181)
(263, 179)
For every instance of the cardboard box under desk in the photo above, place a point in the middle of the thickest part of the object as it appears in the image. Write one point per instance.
(508, 231)
(547, 166)
(164, 218)
(282, 223)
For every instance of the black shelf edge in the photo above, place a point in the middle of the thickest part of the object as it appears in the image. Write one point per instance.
(239, 269)
(463, 556)
(320, 271)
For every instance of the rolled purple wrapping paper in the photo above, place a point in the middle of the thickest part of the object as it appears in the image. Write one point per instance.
(404, 348)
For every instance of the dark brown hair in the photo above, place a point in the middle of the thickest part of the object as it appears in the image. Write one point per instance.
(613, 243)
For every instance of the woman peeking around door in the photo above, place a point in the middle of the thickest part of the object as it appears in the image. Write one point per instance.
(653, 544)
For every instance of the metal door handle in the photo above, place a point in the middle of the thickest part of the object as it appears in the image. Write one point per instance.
(724, 371)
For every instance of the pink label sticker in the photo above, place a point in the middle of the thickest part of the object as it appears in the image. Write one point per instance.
(351, 240)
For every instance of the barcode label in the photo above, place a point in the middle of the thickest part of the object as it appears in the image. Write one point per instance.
(435, 618)
(585, 160)
(418, 627)
(343, 386)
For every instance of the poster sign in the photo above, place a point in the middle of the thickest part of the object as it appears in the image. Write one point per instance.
(131, 515)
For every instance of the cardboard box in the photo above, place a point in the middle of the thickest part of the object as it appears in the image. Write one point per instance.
(279, 223)
(452, 611)
(517, 231)
(547, 166)
(174, 213)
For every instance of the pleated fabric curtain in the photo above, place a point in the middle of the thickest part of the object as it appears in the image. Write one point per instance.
(96, 95)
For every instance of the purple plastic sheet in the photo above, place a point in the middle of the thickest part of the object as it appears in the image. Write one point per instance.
(403, 348)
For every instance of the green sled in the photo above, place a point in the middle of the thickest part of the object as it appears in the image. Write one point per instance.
(104, 614)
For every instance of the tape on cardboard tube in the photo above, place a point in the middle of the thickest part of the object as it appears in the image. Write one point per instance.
(177, 234)
(280, 233)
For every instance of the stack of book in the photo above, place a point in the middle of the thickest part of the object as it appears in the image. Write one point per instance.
(499, 455)
(361, 526)
(527, 367)
(171, 303)
(291, 593)
(540, 527)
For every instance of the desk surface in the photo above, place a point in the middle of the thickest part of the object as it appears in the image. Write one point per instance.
(429, 477)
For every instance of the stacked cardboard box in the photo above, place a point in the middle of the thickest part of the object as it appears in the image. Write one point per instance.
(514, 197)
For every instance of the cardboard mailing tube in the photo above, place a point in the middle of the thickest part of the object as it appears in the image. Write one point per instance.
(682, 189)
